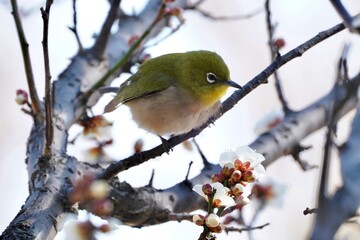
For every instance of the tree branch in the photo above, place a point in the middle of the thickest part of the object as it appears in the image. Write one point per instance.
(348, 19)
(280, 141)
(129, 53)
(49, 134)
(74, 28)
(346, 200)
(273, 53)
(261, 78)
(35, 101)
(101, 41)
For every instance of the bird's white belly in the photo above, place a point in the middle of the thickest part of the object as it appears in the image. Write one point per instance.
(171, 112)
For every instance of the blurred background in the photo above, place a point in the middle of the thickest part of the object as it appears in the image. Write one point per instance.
(243, 46)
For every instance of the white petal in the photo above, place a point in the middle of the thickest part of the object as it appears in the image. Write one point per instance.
(228, 156)
(198, 189)
(212, 220)
(246, 153)
(259, 170)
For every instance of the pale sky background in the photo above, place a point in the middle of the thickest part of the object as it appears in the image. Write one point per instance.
(242, 44)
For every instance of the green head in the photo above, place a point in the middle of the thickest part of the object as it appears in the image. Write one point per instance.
(206, 75)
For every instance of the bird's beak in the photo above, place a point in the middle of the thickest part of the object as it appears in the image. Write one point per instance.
(233, 84)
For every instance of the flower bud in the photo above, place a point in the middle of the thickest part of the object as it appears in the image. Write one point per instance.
(21, 97)
(138, 146)
(227, 170)
(217, 178)
(174, 11)
(102, 208)
(237, 190)
(236, 176)
(207, 189)
(249, 176)
(218, 229)
(99, 189)
(279, 43)
(198, 219)
(212, 220)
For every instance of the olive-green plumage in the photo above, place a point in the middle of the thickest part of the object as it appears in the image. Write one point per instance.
(174, 93)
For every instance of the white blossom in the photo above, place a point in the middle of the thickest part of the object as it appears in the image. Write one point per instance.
(244, 154)
(221, 196)
(269, 121)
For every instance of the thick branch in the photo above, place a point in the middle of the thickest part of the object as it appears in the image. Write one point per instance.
(45, 208)
(47, 202)
(335, 211)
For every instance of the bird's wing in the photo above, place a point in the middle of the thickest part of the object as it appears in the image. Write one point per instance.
(137, 87)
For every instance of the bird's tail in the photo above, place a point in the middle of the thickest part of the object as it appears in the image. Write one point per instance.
(113, 104)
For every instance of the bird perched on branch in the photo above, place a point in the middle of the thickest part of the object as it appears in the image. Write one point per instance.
(175, 93)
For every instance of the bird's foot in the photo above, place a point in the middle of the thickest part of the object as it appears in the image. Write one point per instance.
(166, 145)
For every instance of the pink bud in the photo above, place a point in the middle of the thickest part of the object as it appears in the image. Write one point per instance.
(279, 43)
(207, 189)
(237, 190)
(21, 97)
(236, 176)
(249, 176)
(217, 178)
(227, 170)
(174, 11)
(199, 219)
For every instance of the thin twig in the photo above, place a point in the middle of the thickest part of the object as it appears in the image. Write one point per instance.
(343, 71)
(203, 157)
(74, 28)
(310, 211)
(151, 181)
(188, 171)
(234, 229)
(180, 217)
(229, 103)
(173, 30)
(129, 53)
(101, 41)
(274, 53)
(195, 7)
(49, 131)
(35, 101)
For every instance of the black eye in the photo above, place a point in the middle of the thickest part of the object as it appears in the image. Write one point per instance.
(211, 77)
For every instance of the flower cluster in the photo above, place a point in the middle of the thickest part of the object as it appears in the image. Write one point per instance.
(84, 230)
(269, 193)
(97, 127)
(239, 168)
(94, 194)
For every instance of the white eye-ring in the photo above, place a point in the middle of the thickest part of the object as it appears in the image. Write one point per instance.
(211, 77)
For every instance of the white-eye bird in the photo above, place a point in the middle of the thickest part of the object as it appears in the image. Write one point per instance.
(175, 93)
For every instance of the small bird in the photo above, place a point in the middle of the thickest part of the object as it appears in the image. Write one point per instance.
(175, 93)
